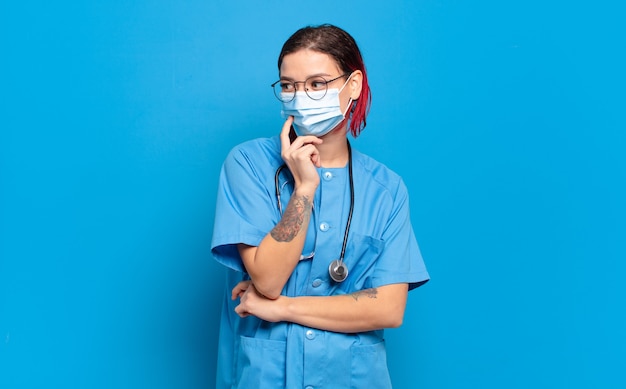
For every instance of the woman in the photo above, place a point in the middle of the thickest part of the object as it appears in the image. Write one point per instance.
(317, 237)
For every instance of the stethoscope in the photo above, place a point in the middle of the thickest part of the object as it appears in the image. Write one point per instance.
(337, 270)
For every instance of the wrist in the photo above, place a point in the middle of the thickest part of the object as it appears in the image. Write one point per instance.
(306, 190)
(285, 307)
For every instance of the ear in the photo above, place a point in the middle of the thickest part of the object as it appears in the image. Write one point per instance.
(355, 84)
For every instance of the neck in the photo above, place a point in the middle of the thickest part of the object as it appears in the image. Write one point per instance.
(334, 150)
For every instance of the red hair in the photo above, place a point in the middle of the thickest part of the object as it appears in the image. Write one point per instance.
(337, 43)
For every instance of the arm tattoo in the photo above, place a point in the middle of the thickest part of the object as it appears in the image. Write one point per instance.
(298, 210)
(371, 293)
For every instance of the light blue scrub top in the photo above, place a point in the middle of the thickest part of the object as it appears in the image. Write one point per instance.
(381, 250)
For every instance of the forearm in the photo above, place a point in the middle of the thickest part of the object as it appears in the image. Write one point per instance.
(366, 310)
(271, 263)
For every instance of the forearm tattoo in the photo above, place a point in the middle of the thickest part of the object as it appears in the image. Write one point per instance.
(371, 293)
(298, 211)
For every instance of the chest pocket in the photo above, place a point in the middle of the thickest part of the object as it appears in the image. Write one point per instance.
(361, 257)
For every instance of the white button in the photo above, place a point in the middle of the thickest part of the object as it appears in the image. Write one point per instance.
(309, 387)
(324, 226)
(316, 282)
(310, 334)
(328, 176)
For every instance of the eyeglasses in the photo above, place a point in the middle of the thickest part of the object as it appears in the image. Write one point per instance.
(315, 87)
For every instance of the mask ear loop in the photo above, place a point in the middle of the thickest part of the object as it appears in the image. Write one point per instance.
(349, 101)
(346, 83)
(348, 107)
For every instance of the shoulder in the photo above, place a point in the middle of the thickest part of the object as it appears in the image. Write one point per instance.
(255, 154)
(260, 148)
(378, 175)
(255, 159)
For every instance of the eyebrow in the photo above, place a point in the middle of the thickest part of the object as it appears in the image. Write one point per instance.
(312, 75)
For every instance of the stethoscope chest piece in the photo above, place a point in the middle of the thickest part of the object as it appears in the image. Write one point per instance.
(338, 270)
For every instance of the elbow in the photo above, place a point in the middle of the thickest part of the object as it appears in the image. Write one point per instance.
(392, 321)
(385, 321)
(271, 295)
(397, 322)
(267, 291)
(394, 305)
(393, 318)
(268, 287)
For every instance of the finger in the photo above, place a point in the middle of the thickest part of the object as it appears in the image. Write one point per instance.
(315, 158)
(240, 311)
(239, 289)
(237, 295)
(236, 292)
(284, 134)
(306, 140)
(309, 153)
(305, 153)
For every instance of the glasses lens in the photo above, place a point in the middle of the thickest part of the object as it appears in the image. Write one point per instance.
(316, 87)
(285, 91)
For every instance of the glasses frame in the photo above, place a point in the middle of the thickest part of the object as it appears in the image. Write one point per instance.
(295, 87)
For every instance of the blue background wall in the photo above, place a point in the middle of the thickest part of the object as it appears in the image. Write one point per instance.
(506, 120)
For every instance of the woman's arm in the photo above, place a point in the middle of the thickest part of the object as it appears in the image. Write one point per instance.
(365, 310)
(271, 263)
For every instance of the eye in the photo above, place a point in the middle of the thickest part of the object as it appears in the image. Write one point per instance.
(286, 86)
(317, 83)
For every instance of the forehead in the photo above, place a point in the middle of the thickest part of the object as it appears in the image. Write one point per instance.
(304, 63)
